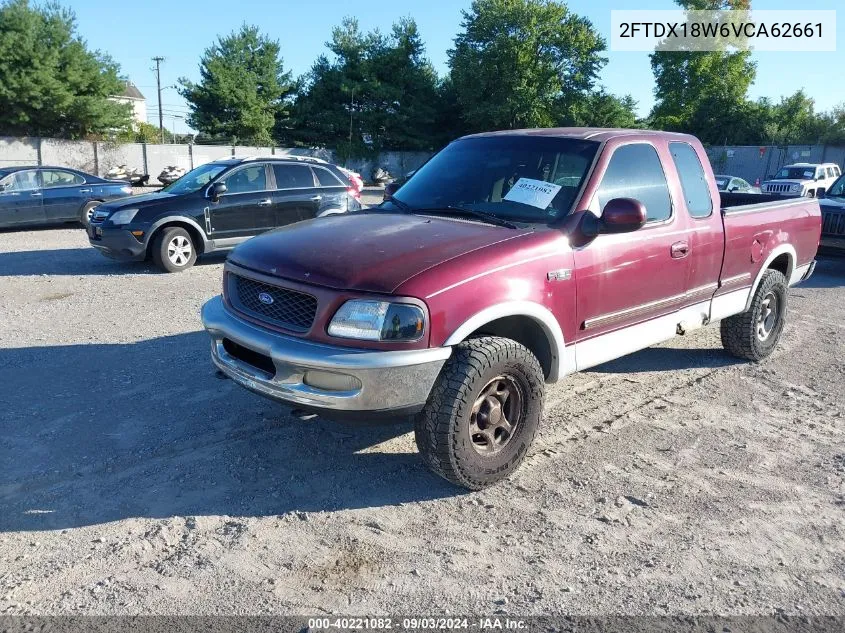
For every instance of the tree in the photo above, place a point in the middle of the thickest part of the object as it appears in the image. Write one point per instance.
(146, 133)
(602, 109)
(703, 93)
(242, 91)
(374, 85)
(50, 83)
(523, 63)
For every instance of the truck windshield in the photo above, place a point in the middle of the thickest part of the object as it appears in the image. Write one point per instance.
(837, 189)
(520, 178)
(195, 179)
(796, 173)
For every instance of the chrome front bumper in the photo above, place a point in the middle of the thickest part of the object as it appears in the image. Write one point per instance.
(317, 376)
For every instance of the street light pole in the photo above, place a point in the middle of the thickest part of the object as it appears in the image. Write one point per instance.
(158, 61)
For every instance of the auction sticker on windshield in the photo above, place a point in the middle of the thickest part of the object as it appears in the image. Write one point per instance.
(536, 193)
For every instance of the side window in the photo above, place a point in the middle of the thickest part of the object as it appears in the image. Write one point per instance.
(836, 171)
(742, 184)
(693, 182)
(56, 178)
(293, 176)
(830, 172)
(21, 181)
(820, 173)
(248, 179)
(635, 172)
(327, 178)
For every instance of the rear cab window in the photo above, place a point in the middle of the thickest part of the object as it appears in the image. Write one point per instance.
(635, 171)
(293, 176)
(693, 181)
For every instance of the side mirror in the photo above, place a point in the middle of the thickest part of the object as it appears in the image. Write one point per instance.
(622, 215)
(389, 189)
(820, 193)
(217, 190)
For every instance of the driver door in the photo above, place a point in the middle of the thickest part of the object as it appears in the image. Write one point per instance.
(21, 199)
(626, 282)
(234, 218)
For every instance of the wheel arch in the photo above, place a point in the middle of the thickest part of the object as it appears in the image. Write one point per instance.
(782, 258)
(528, 323)
(193, 229)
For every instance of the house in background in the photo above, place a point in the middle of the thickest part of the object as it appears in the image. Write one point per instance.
(133, 96)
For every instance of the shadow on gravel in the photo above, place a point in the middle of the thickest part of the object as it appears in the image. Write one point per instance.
(829, 273)
(667, 359)
(78, 261)
(97, 433)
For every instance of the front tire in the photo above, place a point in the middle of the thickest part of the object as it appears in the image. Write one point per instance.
(754, 334)
(483, 412)
(173, 250)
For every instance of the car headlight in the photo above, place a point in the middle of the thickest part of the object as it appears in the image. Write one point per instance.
(796, 187)
(378, 321)
(124, 216)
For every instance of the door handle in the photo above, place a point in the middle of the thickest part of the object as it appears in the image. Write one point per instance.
(265, 203)
(316, 198)
(35, 194)
(679, 250)
(84, 191)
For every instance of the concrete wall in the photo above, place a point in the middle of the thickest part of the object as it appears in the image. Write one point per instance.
(99, 158)
(18, 151)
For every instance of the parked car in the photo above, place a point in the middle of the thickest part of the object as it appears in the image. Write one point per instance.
(733, 183)
(217, 206)
(833, 216)
(802, 179)
(508, 261)
(47, 195)
(354, 178)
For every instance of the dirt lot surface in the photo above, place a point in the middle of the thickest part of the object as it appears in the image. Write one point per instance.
(133, 481)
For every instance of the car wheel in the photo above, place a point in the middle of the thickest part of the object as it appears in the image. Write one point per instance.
(754, 334)
(87, 213)
(483, 412)
(173, 250)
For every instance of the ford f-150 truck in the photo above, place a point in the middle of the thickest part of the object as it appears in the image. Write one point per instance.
(510, 260)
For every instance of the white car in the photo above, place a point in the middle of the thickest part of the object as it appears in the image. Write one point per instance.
(803, 179)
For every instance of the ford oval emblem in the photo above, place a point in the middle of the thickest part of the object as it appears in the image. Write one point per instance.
(266, 298)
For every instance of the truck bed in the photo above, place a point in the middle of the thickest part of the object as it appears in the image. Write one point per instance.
(758, 226)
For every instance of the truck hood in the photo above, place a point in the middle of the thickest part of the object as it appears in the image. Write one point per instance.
(785, 181)
(832, 203)
(368, 251)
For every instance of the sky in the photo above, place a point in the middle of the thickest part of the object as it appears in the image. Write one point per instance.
(180, 30)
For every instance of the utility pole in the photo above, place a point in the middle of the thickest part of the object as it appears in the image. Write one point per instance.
(158, 61)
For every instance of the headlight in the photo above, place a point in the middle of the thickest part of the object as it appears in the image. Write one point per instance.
(124, 216)
(796, 187)
(378, 321)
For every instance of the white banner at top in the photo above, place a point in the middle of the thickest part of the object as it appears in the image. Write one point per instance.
(757, 30)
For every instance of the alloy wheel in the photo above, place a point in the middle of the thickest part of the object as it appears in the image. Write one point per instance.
(179, 250)
(769, 315)
(495, 415)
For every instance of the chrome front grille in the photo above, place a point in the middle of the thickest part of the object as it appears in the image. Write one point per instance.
(833, 223)
(286, 308)
(99, 216)
(778, 188)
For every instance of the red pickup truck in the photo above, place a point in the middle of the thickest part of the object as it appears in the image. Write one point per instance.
(508, 261)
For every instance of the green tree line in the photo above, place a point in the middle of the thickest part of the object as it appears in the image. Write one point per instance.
(514, 63)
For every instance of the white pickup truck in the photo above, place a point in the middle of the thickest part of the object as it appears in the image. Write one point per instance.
(803, 179)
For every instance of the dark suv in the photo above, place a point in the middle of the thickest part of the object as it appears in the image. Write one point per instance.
(217, 206)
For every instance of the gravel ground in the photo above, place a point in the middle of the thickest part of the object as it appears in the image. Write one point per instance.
(133, 481)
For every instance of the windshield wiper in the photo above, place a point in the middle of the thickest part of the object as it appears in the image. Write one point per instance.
(486, 217)
(402, 205)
